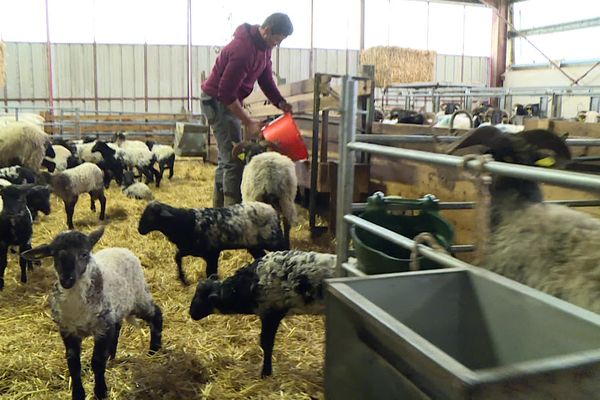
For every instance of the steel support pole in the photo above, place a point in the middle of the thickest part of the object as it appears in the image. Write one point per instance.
(314, 157)
(345, 183)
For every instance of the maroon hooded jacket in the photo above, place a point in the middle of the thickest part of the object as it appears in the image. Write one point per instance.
(245, 60)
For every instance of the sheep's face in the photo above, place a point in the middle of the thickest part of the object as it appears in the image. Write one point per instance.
(71, 251)
(127, 179)
(50, 150)
(205, 299)
(15, 198)
(39, 199)
(151, 217)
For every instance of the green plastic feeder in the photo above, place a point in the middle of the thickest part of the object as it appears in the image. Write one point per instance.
(375, 254)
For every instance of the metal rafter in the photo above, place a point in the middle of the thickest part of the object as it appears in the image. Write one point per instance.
(566, 26)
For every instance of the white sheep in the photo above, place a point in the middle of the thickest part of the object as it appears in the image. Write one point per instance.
(92, 296)
(35, 119)
(279, 284)
(22, 143)
(270, 177)
(60, 161)
(69, 184)
(549, 247)
(135, 190)
(165, 157)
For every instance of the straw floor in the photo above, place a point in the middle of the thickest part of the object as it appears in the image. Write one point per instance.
(215, 358)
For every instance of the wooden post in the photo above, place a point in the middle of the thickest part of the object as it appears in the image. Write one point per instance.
(499, 38)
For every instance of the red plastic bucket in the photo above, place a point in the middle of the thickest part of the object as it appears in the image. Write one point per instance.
(284, 133)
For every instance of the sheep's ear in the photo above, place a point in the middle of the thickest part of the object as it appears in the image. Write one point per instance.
(239, 150)
(95, 236)
(37, 253)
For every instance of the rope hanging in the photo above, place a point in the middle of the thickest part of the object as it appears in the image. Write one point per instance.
(423, 238)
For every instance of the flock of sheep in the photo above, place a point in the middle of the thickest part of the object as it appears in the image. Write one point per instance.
(94, 292)
(547, 247)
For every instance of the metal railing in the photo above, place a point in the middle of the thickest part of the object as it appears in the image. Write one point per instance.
(349, 143)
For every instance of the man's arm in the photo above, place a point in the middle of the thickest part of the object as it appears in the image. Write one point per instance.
(269, 88)
(229, 85)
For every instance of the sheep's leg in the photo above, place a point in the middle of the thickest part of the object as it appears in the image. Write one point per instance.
(23, 262)
(102, 199)
(102, 345)
(92, 202)
(256, 253)
(171, 164)
(73, 354)
(115, 342)
(70, 210)
(3, 262)
(270, 323)
(212, 263)
(147, 172)
(157, 175)
(154, 318)
(161, 169)
(180, 271)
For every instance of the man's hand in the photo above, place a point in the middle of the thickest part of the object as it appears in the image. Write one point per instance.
(252, 129)
(285, 106)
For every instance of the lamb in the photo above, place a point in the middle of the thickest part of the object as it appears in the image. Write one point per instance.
(63, 159)
(205, 232)
(17, 174)
(165, 157)
(25, 144)
(137, 155)
(112, 163)
(92, 296)
(279, 284)
(69, 184)
(135, 190)
(549, 247)
(269, 177)
(15, 227)
(37, 199)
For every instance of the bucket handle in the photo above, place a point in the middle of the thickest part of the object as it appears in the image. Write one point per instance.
(378, 200)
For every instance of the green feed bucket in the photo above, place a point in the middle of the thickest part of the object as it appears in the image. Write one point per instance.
(375, 254)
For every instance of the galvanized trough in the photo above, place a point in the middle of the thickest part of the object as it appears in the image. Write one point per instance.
(456, 334)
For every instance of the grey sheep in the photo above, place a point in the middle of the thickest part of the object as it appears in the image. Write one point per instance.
(545, 246)
(92, 296)
(279, 284)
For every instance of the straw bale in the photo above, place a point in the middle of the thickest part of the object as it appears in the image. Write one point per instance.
(2, 63)
(216, 358)
(395, 65)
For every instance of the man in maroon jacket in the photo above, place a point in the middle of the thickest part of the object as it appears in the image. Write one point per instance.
(240, 64)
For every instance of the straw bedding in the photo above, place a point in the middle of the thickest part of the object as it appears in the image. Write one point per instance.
(216, 358)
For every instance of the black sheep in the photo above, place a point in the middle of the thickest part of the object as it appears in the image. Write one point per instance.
(15, 226)
(112, 166)
(17, 174)
(279, 284)
(205, 232)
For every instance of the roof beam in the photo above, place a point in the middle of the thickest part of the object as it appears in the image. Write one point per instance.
(566, 26)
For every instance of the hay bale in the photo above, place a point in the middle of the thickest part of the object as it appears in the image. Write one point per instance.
(2, 64)
(398, 65)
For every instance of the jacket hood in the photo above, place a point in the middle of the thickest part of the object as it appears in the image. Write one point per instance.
(250, 33)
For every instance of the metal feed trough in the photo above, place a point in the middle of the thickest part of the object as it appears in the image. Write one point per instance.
(459, 333)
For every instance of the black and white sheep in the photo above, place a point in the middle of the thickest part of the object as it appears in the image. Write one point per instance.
(165, 157)
(63, 159)
(548, 247)
(25, 144)
(205, 232)
(136, 155)
(279, 284)
(15, 226)
(69, 184)
(17, 174)
(135, 190)
(92, 296)
(112, 164)
(270, 177)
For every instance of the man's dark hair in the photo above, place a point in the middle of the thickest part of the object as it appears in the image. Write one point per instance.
(279, 23)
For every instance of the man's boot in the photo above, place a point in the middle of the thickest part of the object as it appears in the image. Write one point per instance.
(218, 195)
